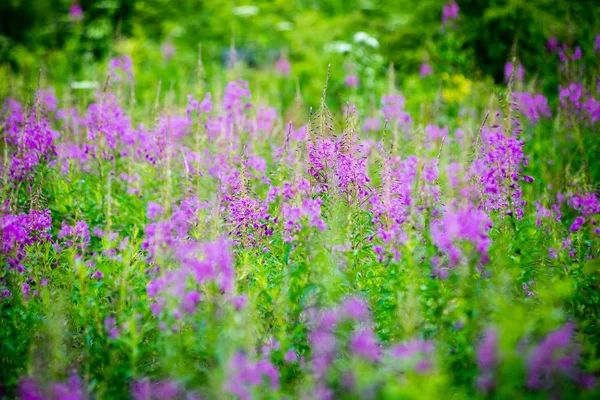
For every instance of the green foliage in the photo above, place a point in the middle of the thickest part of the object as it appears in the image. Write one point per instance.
(286, 283)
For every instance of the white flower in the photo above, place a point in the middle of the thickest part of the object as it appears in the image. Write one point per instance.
(284, 26)
(365, 38)
(360, 37)
(84, 85)
(372, 42)
(339, 47)
(245, 11)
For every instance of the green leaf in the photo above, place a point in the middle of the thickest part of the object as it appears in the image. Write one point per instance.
(591, 266)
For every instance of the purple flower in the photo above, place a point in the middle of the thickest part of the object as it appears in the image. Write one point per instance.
(121, 69)
(393, 110)
(30, 140)
(235, 96)
(206, 104)
(487, 360)
(168, 50)
(111, 328)
(351, 81)
(154, 210)
(29, 389)
(143, 389)
(519, 73)
(533, 107)
(372, 124)
(587, 204)
(571, 96)
(244, 373)
(466, 223)
(71, 390)
(577, 224)
(528, 178)
(20, 230)
(412, 348)
(239, 301)
(435, 133)
(364, 344)
(425, 70)
(166, 390)
(206, 262)
(76, 12)
(527, 288)
(450, 12)
(283, 66)
(552, 44)
(140, 389)
(190, 301)
(356, 309)
(556, 355)
(290, 356)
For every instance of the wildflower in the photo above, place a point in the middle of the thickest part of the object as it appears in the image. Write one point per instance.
(75, 12)
(364, 344)
(111, 328)
(71, 390)
(143, 389)
(29, 389)
(356, 309)
(415, 353)
(339, 47)
(571, 96)
(425, 70)
(450, 12)
(20, 230)
(312, 209)
(239, 301)
(556, 355)
(464, 223)
(154, 210)
(434, 133)
(244, 374)
(533, 107)
(577, 224)
(528, 178)
(283, 66)
(519, 73)
(235, 96)
(29, 138)
(487, 360)
(372, 124)
(245, 11)
(365, 38)
(168, 50)
(47, 99)
(527, 288)
(121, 69)
(552, 44)
(411, 348)
(26, 289)
(351, 81)
(290, 356)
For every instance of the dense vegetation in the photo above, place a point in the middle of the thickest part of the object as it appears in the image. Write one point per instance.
(179, 223)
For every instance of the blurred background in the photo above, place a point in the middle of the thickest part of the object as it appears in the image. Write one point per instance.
(182, 42)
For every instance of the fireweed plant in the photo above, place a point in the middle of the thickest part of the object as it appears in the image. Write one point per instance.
(218, 250)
